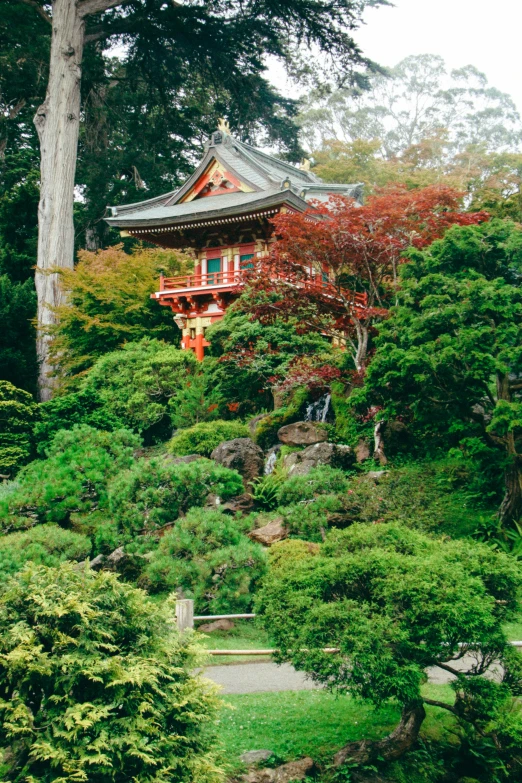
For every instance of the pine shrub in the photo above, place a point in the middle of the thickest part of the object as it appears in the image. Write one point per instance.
(155, 492)
(73, 478)
(47, 545)
(207, 556)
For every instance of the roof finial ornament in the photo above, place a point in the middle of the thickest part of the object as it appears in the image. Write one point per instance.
(305, 165)
(223, 125)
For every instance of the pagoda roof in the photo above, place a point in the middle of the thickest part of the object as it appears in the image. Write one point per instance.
(256, 181)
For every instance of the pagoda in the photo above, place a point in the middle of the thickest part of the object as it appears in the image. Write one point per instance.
(223, 214)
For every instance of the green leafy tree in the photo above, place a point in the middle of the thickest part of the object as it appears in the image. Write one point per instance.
(450, 357)
(17, 415)
(207, 556)
(108, 304)
(105, 691)
(254, 357)
(72, 480)
(154, 492)
(393, 602)
(136, 383)
(204, 437)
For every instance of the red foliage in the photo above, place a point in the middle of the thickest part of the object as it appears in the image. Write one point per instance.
(306, 371)
(341, 260)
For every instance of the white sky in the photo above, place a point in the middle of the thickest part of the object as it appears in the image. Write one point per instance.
(464, 32)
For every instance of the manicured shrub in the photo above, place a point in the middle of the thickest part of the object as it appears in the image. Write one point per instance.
(97, 685)
(291, 550)
(394, 601)
(320, 481)
(69, 410)
(208, 557)
(73, 478)
(154, 492)
(312, 519)
(17, 414)
(203, 438)
(47, 545)
(135, 384)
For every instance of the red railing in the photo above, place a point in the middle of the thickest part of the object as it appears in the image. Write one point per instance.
(230, 277)
(236, 277)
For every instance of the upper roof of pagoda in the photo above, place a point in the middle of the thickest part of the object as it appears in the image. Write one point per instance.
(233, 178)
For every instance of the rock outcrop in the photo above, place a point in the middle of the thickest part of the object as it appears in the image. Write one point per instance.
(302, 433)
(271, 533)
(240, 454)
(294, 770)
(299, 463)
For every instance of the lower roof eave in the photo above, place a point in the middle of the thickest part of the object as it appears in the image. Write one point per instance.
(260, 208)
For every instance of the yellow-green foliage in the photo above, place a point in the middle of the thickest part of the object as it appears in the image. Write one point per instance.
(291, 551)
(204, 437)
(97, 685)
(108, 303)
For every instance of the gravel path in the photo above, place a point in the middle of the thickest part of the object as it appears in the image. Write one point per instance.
(266, 676)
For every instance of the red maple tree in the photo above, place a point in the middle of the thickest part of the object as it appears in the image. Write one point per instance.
(338, 262)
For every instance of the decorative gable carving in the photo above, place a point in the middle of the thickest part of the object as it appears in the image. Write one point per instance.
(215, 181)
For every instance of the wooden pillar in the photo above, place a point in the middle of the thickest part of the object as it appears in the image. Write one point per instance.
(185, 614)
(200, 350)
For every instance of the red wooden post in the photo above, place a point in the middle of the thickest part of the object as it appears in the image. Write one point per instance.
(200, 350)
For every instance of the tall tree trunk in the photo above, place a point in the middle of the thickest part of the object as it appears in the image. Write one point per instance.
(57, 122)
(511, 506)
(391, 747)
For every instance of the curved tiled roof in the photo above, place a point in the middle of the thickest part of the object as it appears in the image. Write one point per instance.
(267, 177)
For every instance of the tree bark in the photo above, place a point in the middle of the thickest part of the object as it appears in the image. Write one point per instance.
(391, 747)
(378, 440)
(511, 506)
(57, 122)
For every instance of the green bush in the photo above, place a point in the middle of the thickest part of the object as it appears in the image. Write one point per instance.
(70, 410)
(73, 478)
(47, 545)
(17, 414)
(204, 437)
(207, 556)
(322, 480)
(395, 601)
(311, 520)
(136, 383)
(155, 492)
(96, 684)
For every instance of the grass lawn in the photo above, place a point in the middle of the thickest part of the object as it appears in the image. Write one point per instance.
(293, 724)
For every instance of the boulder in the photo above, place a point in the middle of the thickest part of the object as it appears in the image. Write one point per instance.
(255, 757)
(302, 433)
(362, 450)
(294, 770)
(240, 454)
(239, 504)
(217, 625)
(299, 463)
(271, 533)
